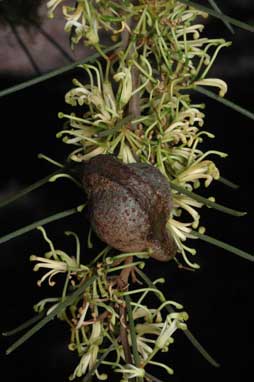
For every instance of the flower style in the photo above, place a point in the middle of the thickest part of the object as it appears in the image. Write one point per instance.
(52, 5)
(90, 352)
(61, 262)
(130, 372)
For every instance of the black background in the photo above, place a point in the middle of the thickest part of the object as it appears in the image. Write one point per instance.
(218, 297)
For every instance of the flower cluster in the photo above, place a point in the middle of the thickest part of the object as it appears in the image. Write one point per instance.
(137, 106)
(98, 318)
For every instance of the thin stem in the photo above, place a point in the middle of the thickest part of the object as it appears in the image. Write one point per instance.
(187, 332)
(58, 309)
(223, 245)
(223, 17)
(132, 331)
(134, 103)
(206, 201)
(225, 101)
(124, 335)
(217, 9)
(28, 189)
(54, 73)
(30, 227)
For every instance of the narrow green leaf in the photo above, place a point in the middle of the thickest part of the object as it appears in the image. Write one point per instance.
(55, 73)
(200, 348)
(187, 332)
(218, 10)
(206, 201)
(221, 244)
(59, 308)
(228, 183)
(132, 331)
(28, 189)
(117, 127)
(224, 101)
(41, 222)
(223, 17)
(25, 325)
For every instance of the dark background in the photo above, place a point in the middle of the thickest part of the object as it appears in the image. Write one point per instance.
(218, 297)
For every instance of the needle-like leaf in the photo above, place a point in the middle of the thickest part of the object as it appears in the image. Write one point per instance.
(132, 331)
(206, 201)
(221, 244)
(28, 189)
(117, 127)
(218, 10)
(41, 222)
(187, 332)
(55, 73)
(58, 309)
(228, 183)
(220, 16)
(25, 325)
(225, 101)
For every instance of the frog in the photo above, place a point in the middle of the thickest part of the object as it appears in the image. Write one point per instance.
(129, 206)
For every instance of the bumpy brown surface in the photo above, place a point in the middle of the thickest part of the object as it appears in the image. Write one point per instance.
(129, 205)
